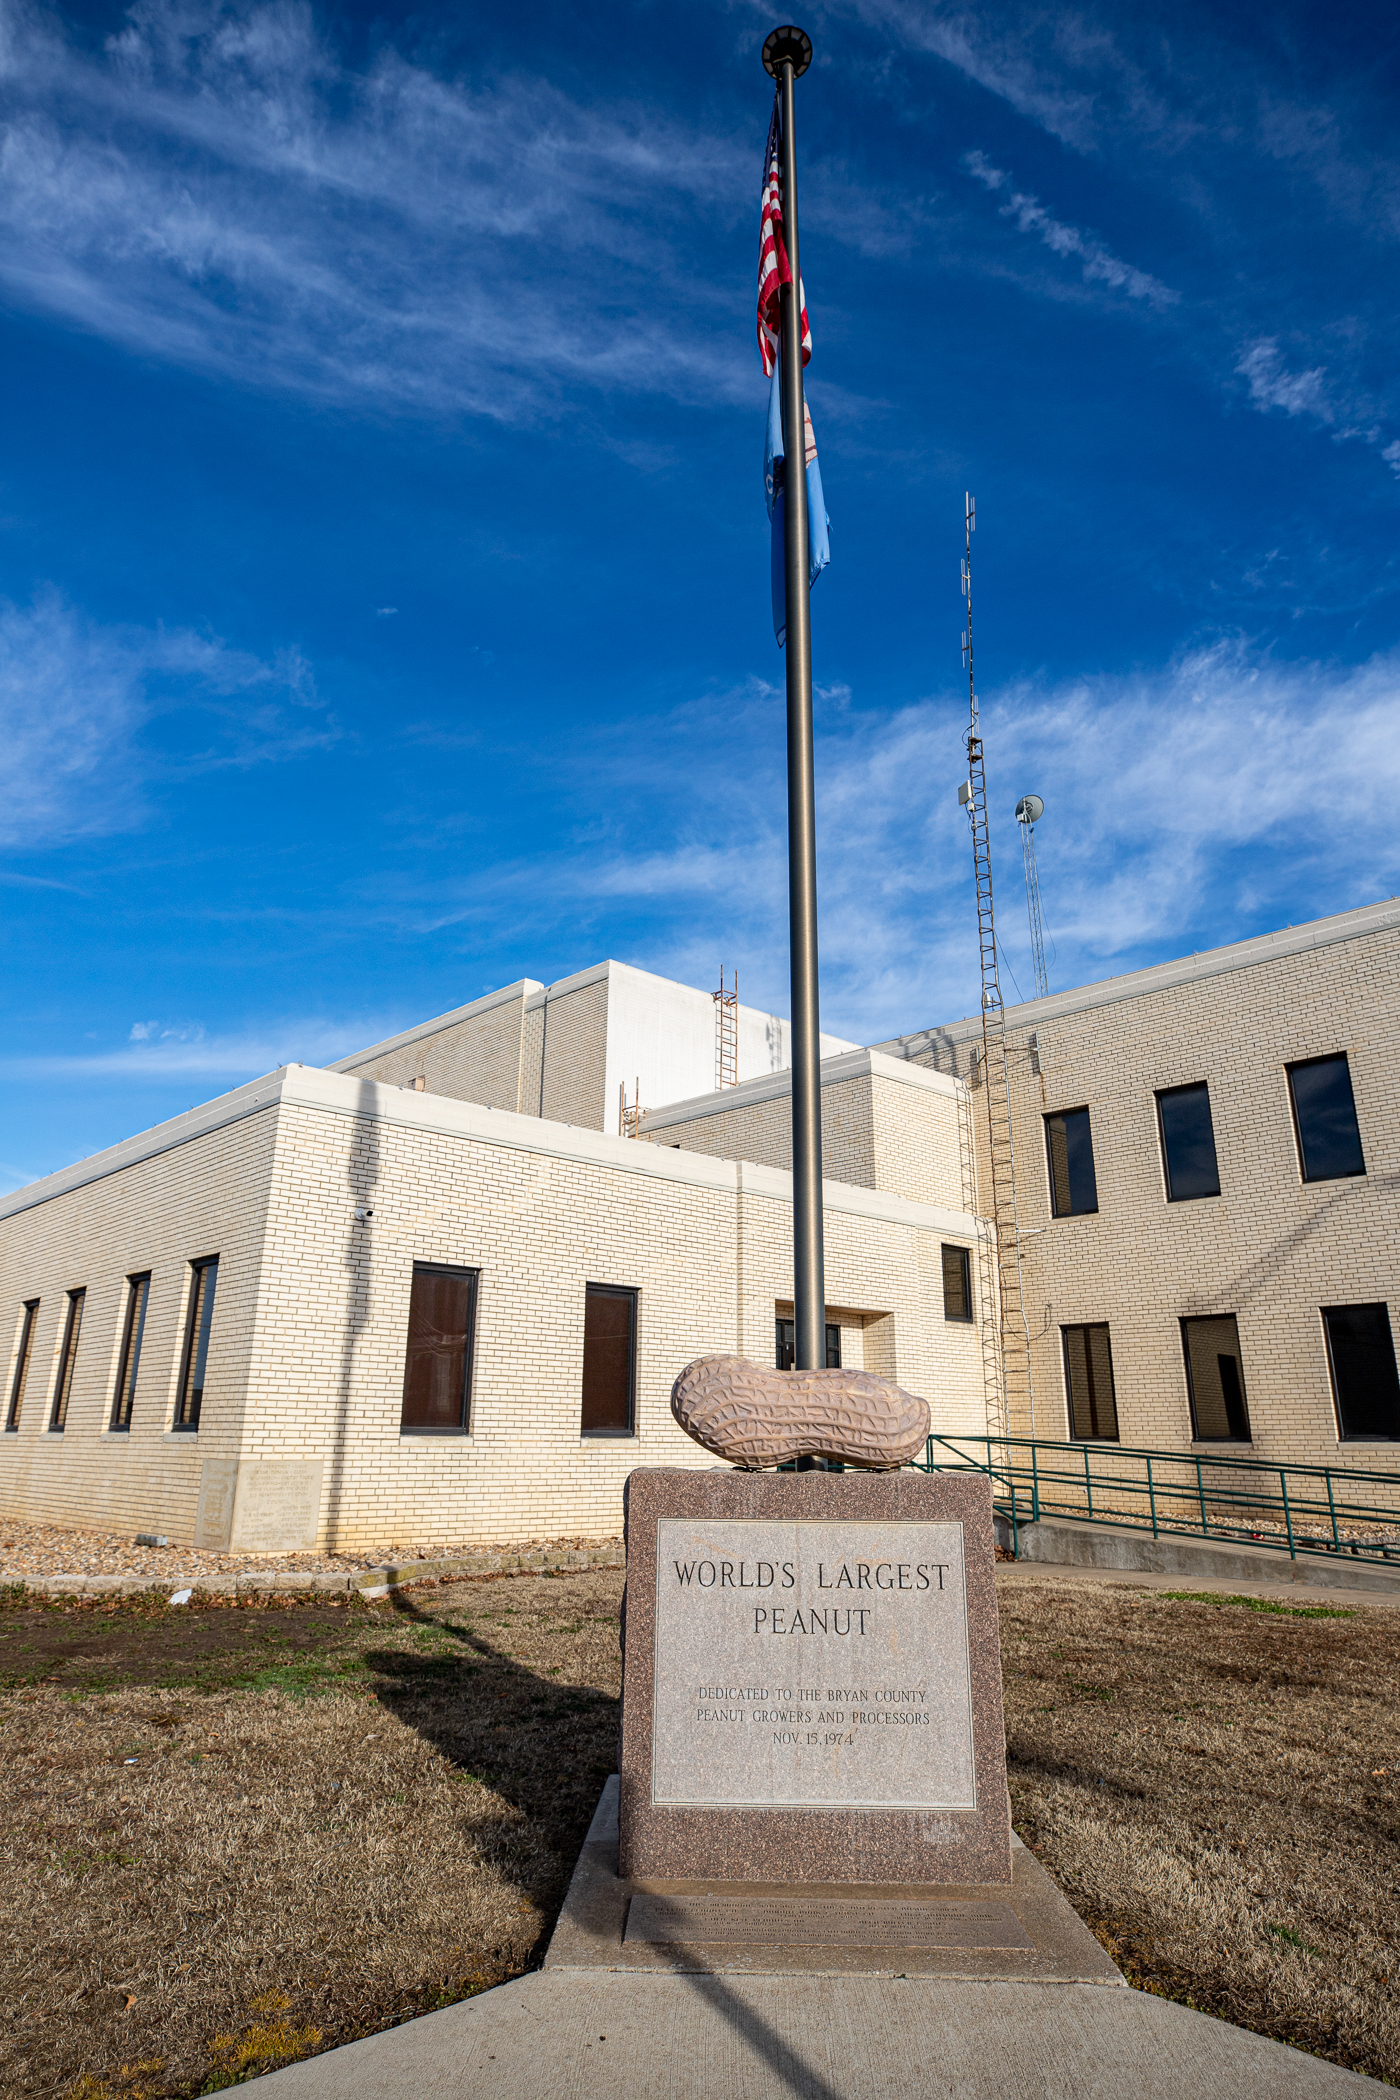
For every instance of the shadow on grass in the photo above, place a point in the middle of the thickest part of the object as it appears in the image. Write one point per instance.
(544, 1747)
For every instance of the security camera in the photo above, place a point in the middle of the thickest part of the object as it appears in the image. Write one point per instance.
(362, 1215)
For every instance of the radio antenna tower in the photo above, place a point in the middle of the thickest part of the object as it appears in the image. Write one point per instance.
(1029, 811)
(1017, 1397)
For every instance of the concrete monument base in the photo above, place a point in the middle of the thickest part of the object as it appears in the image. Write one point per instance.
(1025, 1932)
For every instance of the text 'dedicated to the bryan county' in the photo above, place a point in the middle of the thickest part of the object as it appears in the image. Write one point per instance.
(811, 1665)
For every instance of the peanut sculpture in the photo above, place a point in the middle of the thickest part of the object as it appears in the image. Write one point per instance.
(756, 1417)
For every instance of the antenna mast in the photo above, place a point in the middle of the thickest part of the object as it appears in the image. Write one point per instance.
(1017, 1397)
(1029, 811)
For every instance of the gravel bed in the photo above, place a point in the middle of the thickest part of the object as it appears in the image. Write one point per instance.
(30, 1551)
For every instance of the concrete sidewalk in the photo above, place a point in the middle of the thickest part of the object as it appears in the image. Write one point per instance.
(611, 2019)
(593, 2035)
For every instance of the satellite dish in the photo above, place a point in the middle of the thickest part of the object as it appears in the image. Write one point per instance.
(1029, 810)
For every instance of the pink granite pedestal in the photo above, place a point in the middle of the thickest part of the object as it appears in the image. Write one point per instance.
(812, 1681)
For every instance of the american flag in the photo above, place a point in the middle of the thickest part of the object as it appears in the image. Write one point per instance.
(774, 270)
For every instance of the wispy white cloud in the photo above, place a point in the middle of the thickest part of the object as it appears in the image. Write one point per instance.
(1272, 385)
(155, 1051)
(1098, 263)
(76, 695)
(1221, 795)
(217, 189)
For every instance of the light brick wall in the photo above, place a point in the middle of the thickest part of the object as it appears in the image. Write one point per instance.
(475, 1060)
(209, 1196)
(307, 1350)
(878, 1130)
(1270, 1248)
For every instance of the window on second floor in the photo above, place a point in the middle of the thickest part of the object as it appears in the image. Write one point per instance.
(72, 1328)
(1093, 1404)
(786, 1336)
(201, 1318)
(1069, 1146)
(137, 1291)
(957, 1283)
(1324, 1119)
(26, 1351)
(1188, 1142)
(1215, 1380)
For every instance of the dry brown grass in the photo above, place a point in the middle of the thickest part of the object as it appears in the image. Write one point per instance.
(387, 1828)
(341, 1816)
(1215, 1788)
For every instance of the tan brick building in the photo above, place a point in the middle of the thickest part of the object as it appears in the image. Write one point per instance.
(429, 1295)
(1207, 1082)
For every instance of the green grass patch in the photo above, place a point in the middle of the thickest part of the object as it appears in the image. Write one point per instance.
(1264, 1604)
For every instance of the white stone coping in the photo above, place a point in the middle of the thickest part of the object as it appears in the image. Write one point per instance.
(509, 995)
(340, 1094)
(1383, 917)
(776, 1086)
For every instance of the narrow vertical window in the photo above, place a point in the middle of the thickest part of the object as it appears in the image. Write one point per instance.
(957, 1283)
(1093, 1405)
(1215, 1380)
(1188, 1143)
(437, 1376)
(26, 1351)
(137, 1288)
(206, 1276)
(1069, 1146)
(609, 1360)
(1361, 1358)
(1324, 1119)
(786, 1354)
(72, 1328)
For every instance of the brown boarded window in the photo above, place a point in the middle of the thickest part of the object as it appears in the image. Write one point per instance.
(26, 1351)
(609, 1360)
(137, 1292)
(72, 1329)
(1093, 1405)
(437, 1375)
(1215, 1380)
(205, 1282)
(957, 1284)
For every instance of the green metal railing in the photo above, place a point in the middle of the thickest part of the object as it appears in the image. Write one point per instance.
(1246, 1501)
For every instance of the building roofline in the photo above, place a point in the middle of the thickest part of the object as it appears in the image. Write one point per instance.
(342, 1094)
(775, 1086)
(1369, 919)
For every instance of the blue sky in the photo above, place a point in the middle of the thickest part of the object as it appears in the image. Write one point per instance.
(384, 553)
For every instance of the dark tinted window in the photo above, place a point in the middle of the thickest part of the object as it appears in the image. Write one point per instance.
(26, 1351)
(957, 1284)
(1324, 1117)
(206, 1277)
(1188, 1143)
(137, 1291)
(1215, 1380)
(1361, 1354)
(609, 1360)
(72, 1328)
(437, 1374)
(1074, 1189)
(787, 1345)
(1093, 1407)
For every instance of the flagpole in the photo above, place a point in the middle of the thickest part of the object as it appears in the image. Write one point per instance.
(786, 56)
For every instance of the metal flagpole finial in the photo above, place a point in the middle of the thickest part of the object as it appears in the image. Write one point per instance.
(787, 44)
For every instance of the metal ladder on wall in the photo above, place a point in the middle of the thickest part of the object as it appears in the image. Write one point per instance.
(1016, 1394)
(984, 1265)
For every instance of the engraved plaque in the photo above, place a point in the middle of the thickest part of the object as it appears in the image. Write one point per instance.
(811, 1664)
(705, 1921)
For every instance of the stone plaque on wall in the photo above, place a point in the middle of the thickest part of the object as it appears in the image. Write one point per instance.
(812, 1684)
